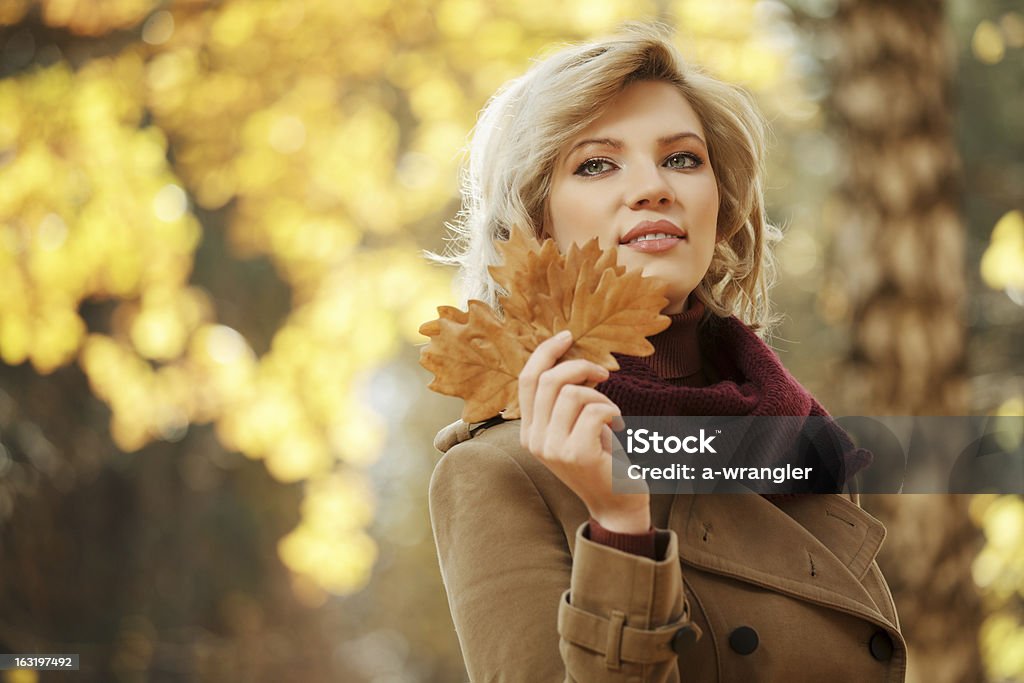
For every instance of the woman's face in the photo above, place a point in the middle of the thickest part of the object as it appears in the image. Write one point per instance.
(644, 160)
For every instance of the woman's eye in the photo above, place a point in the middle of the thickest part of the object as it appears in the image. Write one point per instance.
(592, 167)
(684, 160)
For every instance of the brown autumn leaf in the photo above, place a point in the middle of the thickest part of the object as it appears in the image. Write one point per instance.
(473, 357)
(515, 272)
(608, 309)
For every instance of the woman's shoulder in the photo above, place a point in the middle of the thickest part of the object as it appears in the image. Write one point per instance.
(496, 432)
(488, 455)
(485, 450)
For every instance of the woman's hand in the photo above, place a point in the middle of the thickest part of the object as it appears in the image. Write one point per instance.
(566, 426)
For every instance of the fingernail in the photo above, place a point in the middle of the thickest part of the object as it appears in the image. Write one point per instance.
(564, 335)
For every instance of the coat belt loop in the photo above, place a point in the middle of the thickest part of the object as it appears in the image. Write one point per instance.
(612, 656)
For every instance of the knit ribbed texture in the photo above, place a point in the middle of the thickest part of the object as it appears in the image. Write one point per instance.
(638, 544)
(677, 349)
(752, 380)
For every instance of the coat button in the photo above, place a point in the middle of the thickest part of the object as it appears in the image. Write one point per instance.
(881, 646)
(743, 640)
(683, 638)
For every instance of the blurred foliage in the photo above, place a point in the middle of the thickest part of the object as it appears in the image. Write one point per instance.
(991, 36)
(320, 136)
(991, 39)
(999, 572)
(325, 154)
(85, 17)
(1002, 265)
(148, 147)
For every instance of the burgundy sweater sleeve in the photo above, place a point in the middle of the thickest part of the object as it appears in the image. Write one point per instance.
(636, 544)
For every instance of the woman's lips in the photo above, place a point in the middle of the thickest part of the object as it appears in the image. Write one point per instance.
(654, 246)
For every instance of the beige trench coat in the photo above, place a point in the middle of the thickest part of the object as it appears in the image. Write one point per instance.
(744, 590)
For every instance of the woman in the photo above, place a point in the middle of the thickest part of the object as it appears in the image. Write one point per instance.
(550, 574)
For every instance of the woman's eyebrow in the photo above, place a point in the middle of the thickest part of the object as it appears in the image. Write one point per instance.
(669, 139)
(606, 141)
(617, 144)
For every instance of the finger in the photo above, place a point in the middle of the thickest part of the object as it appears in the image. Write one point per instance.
(607, 439)
(576, 371)
(571, 399)
(610, 445)
(613, 460)
(594, 420)
(542, 358)
(553, 380)
(617, 449)
(586, 442)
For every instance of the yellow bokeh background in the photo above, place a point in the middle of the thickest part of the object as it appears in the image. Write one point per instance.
(325, 156)
(324, 138)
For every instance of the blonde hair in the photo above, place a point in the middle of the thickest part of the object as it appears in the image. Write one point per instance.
(530, 119)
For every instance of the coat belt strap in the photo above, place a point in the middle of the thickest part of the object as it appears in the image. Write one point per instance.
(613, 650)
(599, 634)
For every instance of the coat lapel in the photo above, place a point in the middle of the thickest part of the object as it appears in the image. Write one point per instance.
(818, 552)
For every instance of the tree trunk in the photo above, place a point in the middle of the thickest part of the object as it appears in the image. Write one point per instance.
(898, 265)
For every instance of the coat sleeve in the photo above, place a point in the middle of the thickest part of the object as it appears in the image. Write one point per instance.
(523, 608)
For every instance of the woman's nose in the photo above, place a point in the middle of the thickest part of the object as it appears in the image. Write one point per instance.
(648, 187)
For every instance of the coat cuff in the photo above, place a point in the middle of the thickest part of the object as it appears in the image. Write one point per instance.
(628, 608)
(648, 592)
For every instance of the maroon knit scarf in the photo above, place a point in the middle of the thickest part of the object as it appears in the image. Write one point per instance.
(752, 382)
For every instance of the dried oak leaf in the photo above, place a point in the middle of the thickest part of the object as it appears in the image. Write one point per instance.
(608, 309)
(472, 357)
(515, 274)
